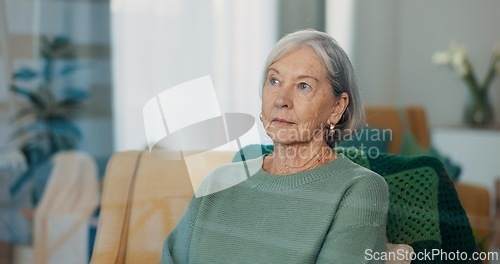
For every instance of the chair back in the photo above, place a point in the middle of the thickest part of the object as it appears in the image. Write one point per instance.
(476, 202)
(387, 117)
(143, 199)
(411, 118)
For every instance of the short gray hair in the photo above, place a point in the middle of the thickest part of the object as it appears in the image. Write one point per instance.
(338, 68)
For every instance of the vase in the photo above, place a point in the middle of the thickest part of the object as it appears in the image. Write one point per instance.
(478, 111)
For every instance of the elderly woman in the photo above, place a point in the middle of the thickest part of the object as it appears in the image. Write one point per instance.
(305, 204)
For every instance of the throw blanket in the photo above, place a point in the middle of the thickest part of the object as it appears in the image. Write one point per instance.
(61, 219)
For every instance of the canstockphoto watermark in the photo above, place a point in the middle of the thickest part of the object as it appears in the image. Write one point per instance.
(429, 255)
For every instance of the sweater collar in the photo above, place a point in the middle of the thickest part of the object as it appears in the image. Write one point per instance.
(267, 181)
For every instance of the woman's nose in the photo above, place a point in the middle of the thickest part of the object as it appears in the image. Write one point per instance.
(285, 97)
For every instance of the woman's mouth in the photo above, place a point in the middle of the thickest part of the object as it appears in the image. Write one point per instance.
(282, 122)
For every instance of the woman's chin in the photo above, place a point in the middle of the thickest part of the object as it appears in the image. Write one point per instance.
(283, 136)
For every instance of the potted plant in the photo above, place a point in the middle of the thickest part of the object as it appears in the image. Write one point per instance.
(44, 123)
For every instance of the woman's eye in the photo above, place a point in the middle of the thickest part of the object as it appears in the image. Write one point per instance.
(304, 86)
(273, 81)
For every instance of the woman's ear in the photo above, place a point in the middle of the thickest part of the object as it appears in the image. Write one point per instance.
(339, 107)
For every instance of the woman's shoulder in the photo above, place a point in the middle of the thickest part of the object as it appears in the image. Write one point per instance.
(361, 173)
(350, 175)
(362, 187)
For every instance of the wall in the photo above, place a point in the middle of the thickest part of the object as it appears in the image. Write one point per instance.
(299, 14)
(394, 41)
(393, 44)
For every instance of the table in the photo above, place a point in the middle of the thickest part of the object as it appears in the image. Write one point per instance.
(476, 150)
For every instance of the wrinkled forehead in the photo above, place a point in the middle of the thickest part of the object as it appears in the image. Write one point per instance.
(303, 61)
(304, 55)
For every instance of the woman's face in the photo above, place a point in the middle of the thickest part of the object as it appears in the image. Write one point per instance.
(297, 99)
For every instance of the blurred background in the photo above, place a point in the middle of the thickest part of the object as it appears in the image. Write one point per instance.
(75, 75)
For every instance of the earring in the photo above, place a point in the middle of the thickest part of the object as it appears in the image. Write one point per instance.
(330, 132)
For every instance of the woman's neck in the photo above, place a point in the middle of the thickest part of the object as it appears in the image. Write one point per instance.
(292, 158)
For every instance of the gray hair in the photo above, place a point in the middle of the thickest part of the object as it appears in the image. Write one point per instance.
(339, 71)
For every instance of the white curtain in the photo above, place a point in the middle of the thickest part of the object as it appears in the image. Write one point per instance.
(340, 23)
(157, 44)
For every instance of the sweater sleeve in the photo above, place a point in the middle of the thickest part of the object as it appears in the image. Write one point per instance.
(357, 233)
(176, 245)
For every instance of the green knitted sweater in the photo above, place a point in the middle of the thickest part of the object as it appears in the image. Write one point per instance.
(331, 214)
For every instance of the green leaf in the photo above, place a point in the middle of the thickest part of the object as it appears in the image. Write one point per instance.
(45, 48)
(75, 93)
(60, 42)
(64, 142)
(61, 47)
(69, 103)
(68, 109)
(48, 70)
(35, 128)
(25, 74)
(22, 113)
(32, 134)
(16, 187)
(63, 125)
(491, 73)
(34, 98)
(69, 69)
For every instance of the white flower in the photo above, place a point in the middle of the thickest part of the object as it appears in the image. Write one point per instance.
(459, 62)
(457, 58)
(441, 58)
(457, 48)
